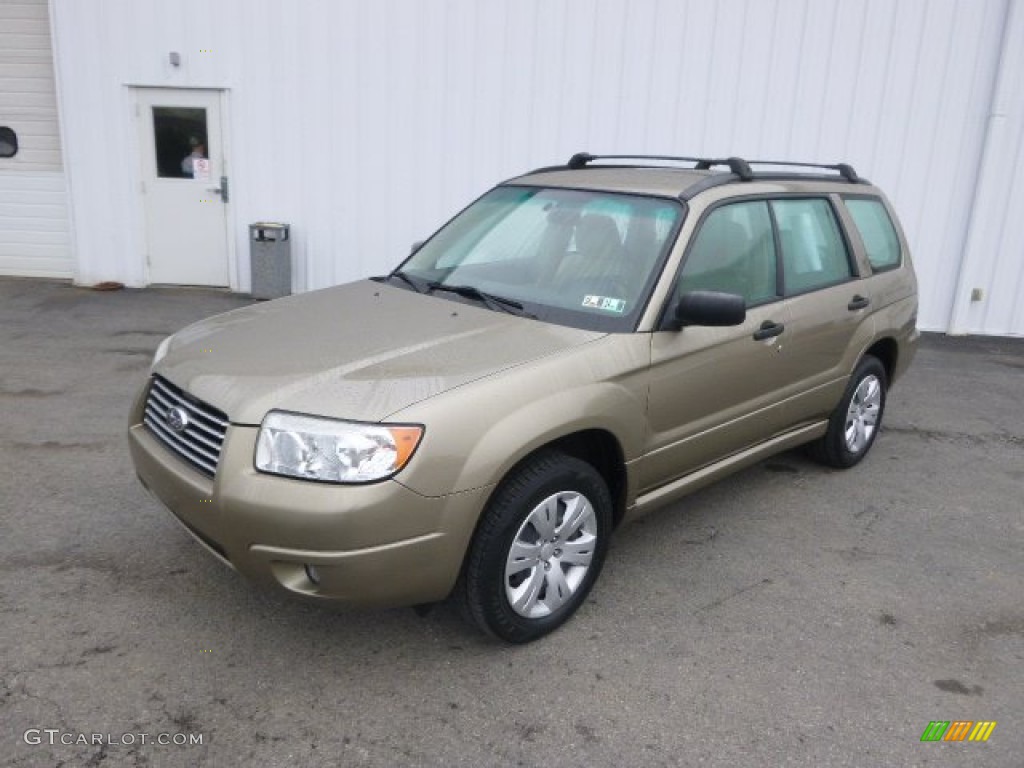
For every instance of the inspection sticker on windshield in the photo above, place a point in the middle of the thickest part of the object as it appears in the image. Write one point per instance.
(605, 303)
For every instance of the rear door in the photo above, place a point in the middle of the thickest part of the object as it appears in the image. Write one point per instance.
(829, 304)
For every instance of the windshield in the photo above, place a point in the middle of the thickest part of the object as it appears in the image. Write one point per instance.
(580, 258)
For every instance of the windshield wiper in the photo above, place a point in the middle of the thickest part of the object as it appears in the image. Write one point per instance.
(403, 277)
(498, 303)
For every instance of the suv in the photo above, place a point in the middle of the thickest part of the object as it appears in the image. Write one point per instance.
(580, 345)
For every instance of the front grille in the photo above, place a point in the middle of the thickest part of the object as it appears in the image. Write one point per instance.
(200, 440)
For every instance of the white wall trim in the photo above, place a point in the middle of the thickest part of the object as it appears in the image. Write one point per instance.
(61, 127)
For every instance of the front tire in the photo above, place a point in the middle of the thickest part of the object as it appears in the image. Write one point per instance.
(539, 548)
(854, 424)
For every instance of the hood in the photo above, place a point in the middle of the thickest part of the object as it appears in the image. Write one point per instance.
(359, 351)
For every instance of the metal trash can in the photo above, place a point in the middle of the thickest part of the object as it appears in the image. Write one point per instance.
(270, 259)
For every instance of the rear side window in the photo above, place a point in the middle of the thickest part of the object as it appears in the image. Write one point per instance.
(876, 231)
(814, 254)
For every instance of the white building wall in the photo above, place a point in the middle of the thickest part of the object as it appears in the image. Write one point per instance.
(993, 260)
(367, 124)
(34, 237)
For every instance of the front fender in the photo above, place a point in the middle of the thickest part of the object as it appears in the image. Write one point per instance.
(477, 433)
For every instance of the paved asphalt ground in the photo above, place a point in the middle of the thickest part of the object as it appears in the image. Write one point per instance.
(789, 616)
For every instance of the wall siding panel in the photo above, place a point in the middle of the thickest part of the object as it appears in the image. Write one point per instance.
(367, 124)
(993, 260)
(34, 238)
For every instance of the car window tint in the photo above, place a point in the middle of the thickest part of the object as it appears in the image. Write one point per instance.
(813, 252)
(876, 231)
(733, 252)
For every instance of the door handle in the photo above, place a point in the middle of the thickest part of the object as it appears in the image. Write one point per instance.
(222, 190)
(858, 302)
(768, 330)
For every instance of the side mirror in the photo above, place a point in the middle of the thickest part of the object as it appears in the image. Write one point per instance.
(710, 308)
(416, 246)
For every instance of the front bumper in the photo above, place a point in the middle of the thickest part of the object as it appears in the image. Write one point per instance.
(378, 544)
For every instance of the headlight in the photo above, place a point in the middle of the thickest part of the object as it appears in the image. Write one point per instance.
(334, 451)
(161, 351)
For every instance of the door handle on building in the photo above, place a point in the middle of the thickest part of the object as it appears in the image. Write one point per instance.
(222, 189)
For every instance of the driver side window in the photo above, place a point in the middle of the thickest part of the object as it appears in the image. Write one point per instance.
(733, 252)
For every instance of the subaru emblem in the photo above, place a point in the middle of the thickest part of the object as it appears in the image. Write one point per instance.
(177, 419)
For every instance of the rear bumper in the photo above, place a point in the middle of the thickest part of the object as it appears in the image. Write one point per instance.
(370, 544)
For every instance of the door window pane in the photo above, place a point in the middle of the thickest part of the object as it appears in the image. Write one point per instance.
(876, 231)
(734, 252)
(813, 252)
(180, 139)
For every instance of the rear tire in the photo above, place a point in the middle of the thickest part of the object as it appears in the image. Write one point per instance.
(854, 424)
(539, 548)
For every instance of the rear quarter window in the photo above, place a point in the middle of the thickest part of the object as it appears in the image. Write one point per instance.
(876, 231)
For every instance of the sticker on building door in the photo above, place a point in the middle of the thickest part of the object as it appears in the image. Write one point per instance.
(184, 186)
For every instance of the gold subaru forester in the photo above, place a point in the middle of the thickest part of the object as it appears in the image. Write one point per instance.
(580, 345)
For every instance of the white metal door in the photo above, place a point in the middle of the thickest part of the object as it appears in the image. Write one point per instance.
(184, 186)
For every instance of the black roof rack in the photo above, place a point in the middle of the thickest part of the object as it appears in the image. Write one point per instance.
(737, 165)
(845, 169)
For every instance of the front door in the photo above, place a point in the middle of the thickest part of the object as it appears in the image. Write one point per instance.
(716, 391)
(184, 186)
(713, 392)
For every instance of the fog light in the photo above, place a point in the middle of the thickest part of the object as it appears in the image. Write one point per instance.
(313, 574)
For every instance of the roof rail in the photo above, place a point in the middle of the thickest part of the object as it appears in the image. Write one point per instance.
(845, 169)
(737, 165)
(580, 159)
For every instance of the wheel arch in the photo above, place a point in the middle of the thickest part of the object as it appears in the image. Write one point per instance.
(600, 449)
(595, 446)
(886, 351)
